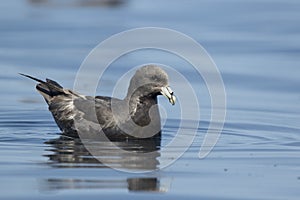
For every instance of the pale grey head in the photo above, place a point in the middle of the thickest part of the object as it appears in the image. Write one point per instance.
(150, 81)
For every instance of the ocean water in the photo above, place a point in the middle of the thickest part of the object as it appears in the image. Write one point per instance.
(255, 45)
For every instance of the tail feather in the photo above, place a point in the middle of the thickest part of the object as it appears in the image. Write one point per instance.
(33, 78)
(48, 89)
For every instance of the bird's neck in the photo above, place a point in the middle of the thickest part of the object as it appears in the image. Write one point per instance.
(143, 108)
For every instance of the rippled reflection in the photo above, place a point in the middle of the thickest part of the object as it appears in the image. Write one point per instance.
(150, 184)
(80, 3)
(69, 152)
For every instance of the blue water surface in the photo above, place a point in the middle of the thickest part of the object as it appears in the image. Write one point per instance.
(255, 45)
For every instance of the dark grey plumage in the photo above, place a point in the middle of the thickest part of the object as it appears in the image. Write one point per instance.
(119, 119)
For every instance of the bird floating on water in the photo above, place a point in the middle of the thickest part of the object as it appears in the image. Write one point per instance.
(118, 118)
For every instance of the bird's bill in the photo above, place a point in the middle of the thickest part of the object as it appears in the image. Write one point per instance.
(167, 92)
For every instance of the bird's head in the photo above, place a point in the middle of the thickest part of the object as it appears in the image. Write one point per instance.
(151, 80)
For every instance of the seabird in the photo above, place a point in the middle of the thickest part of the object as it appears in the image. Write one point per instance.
(135, 116)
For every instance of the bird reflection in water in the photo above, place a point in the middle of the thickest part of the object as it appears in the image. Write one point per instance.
(71, 153)
(77, 3)
(126, 155)
(148, 184)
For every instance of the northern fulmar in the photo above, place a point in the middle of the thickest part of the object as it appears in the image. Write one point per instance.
(135, 116)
